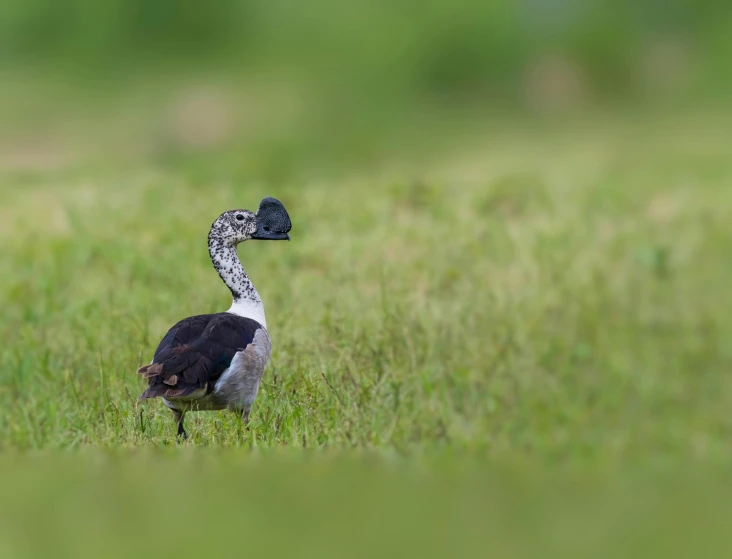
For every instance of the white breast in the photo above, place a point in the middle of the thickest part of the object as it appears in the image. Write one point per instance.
(249, 309)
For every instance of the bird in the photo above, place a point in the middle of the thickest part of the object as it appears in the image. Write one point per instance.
(216, 361)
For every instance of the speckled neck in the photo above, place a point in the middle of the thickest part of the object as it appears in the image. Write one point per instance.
(246, 300)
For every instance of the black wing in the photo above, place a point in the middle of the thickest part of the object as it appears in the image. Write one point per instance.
(184, 332)
(195, 353)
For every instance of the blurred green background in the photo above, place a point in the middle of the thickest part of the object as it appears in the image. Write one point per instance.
(333, 84)
(393, 50)
(502, 324)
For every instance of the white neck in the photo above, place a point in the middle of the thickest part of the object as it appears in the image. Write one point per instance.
(246, 301)
(249, 309)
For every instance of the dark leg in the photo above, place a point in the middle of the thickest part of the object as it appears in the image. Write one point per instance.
(178, 416)
(243, 421)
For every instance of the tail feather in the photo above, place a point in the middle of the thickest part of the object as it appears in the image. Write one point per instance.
(151, 370)
(165, 391)
(171, 381)
(178, 373)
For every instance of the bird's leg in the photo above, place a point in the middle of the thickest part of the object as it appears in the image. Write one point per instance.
(178, 416)
(243, 416)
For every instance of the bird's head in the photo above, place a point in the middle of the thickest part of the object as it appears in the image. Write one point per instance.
(270, 223)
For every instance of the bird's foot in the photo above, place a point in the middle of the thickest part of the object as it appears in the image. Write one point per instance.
(182, 436)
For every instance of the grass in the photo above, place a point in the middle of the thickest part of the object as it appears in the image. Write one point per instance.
(559, 297)
(115, 506)
(537, 297)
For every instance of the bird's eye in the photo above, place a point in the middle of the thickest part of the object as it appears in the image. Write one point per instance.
(239, 217)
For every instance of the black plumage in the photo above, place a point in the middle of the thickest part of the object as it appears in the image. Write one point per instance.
(195, 352)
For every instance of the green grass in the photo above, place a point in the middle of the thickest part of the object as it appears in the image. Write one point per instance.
(533, 297)
(561, 296)
(188, 503)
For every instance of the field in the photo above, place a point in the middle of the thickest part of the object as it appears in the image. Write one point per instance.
(448, 327)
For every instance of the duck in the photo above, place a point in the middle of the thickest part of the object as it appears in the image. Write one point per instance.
(215, 361)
